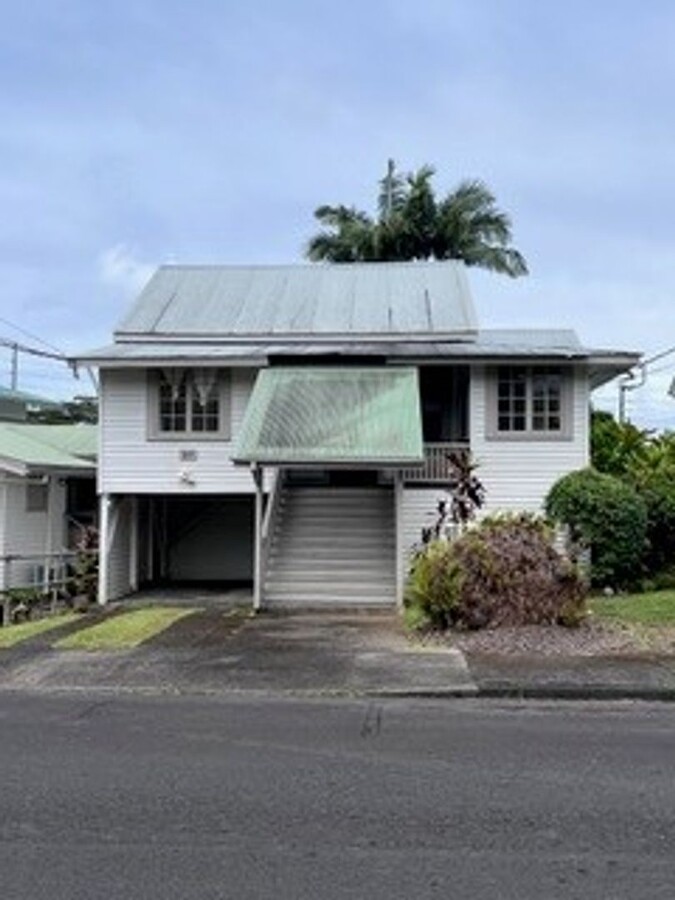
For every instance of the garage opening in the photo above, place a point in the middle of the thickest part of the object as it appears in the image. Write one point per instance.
(205, 541)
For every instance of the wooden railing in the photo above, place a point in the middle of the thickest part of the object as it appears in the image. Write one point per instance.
(435, 468)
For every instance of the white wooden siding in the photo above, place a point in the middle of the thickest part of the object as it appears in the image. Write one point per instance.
(119, 552)
(517, 474)
(26, 533)
(129, 463)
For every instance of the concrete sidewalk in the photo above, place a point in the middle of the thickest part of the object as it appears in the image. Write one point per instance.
(347, 653)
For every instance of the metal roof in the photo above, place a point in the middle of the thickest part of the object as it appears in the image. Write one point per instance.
(488, 344)
(352, 301)
(25, 447)
(333, 416)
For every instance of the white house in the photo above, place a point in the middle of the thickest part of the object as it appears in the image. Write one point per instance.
(289, 425)
(47, 491)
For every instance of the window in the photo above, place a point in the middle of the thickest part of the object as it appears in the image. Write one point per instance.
(37, 497)
(189, 403)
(530, 401)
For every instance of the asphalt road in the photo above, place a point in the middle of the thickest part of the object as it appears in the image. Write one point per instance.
(170, 797)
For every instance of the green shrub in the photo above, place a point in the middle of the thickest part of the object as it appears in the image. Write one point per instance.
(607, 516)
(433, 587)
(658, 493)
(506, 571)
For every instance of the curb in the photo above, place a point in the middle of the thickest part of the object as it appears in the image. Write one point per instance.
(577, 692)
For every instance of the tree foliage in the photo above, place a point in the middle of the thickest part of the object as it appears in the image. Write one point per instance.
(413, 223)
(606, 516)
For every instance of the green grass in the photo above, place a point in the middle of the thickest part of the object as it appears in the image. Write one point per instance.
(14, 634)
(125, 631)
(652, 609)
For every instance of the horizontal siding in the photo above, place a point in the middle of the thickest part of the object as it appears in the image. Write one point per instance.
(129, 463)
(119, 555)
(518, 474)
(418, 510)
(25, 533)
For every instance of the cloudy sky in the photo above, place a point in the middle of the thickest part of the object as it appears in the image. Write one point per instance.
(145, 131)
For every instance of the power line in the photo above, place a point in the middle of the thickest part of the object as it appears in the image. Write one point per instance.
(28, 334)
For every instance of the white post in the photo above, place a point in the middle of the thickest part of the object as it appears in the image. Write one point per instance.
(257, 545)
(133, 545)
(398, 513)
(103, 545)
(49, 535)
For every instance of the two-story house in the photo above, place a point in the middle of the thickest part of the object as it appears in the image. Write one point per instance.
(289, 425)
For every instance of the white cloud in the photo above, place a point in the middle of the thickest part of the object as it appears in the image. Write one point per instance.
(119, 268)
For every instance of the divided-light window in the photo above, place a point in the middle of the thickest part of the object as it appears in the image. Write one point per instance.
(531, 400)
(190, 403)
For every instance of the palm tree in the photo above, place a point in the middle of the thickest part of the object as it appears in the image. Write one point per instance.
(413, 224)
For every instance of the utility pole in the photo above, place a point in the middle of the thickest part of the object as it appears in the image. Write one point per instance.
(389, 189)
(15, 367)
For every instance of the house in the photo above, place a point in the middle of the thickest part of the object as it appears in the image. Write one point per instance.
(47, 493)
(15, 404)
(289, 425)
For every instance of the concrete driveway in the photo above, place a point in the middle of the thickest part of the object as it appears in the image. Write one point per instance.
(218, 650)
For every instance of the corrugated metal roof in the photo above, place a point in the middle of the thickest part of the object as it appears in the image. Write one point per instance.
(558, 343)
(358, 299)
(333, 416)
(44, 447)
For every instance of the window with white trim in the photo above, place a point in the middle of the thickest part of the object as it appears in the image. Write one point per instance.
(530, 401)
(189, 403)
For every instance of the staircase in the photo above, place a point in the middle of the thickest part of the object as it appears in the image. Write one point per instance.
(332, 546)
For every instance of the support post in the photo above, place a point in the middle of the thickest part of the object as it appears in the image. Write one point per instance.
(49, 536)
(103, 547)
(133, 545)
(256, 471)
(398, 513)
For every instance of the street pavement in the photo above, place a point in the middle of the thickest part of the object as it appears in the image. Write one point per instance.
(250, 797)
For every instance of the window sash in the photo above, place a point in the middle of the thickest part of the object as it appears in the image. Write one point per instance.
(186, 403)
(530, 401)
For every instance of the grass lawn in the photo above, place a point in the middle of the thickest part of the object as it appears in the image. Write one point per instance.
(649, 610)
(14, 634)
(125, 631)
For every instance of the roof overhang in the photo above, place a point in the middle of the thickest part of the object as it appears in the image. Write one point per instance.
(605, 366)
(333, 417)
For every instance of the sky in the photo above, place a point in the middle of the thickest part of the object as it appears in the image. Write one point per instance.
(147, 131)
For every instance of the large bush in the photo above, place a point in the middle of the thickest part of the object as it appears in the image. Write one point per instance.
(505, 571)
(658, 493)
(607, 516)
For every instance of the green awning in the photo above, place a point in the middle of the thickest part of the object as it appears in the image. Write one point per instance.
(333, 416)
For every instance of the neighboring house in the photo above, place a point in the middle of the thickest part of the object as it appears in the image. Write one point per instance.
(47, 493)
(15, 405)
(290, 424)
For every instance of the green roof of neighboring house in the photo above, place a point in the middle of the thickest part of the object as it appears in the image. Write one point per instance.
(333, 416)
(27, 448)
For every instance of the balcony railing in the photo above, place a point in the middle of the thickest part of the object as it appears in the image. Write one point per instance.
(436, 467)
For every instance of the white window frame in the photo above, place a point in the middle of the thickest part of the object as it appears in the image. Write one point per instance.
(154, 431)
(566, 431)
